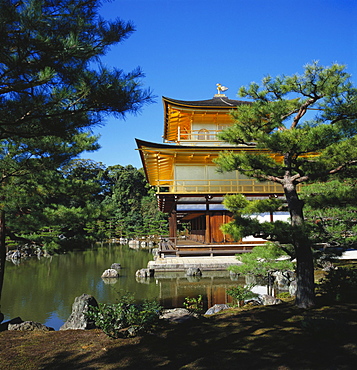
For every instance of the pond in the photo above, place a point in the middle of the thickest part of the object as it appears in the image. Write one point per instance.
(43, 290)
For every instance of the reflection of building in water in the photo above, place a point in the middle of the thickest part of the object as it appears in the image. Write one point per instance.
(174, 291)
(175, 287)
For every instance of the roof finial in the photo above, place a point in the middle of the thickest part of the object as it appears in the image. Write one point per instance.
(220, 90)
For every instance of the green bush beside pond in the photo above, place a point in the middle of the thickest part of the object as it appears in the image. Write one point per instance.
(126, 318)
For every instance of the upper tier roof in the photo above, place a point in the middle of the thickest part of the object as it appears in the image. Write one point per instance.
(215, 102)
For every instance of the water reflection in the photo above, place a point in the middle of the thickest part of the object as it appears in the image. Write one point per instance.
(175, 286)
(44, 290)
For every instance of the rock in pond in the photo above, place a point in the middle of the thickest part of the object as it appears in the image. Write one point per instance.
(110, 273)
(145, 273)
(78, 318)
(116, 266)
(193, 271)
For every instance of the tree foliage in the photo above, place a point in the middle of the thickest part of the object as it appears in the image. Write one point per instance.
(81, 203)
(134, 203)
(305, 127)
(263, 260)
(53, 86)
(331, 209)
(51, 78)
(37, 198)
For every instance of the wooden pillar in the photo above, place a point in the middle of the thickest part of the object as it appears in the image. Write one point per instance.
(208, 237)
(173, 225)
(223, 222)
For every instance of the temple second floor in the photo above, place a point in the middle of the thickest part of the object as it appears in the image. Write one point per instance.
(179, 169)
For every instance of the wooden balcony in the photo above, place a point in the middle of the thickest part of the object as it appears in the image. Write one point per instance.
(180, 248)
(243, 186)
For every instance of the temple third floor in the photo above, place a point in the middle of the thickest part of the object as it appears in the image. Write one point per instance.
(197, 122)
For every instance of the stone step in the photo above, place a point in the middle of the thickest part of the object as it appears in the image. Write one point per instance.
(217, 263)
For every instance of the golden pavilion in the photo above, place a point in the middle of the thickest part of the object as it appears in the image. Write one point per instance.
(188, 186)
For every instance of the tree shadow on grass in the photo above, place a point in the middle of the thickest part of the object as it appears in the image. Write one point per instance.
(277, 337)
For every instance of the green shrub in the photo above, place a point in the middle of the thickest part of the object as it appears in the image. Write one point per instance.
(194, 305)
(262, 260)
(339, 285)
(51, 246)
(125, 318)
(240, 293)
(283, 295)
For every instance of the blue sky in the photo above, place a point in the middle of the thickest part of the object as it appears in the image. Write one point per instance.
(186, 47)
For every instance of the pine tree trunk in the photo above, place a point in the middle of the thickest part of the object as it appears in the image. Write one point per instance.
(305, 295)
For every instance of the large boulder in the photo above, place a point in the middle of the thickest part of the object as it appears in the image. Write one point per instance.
(29, 326)
(5, 325)
(268, 300)
(177, 315)
(293, 288)
(216, 308)
(283, 278)
(78, 319)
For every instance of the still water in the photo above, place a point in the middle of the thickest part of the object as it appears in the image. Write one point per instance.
(43, 290)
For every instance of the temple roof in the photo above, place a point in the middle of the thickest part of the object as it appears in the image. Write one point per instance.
(142, 143)
(215, 102)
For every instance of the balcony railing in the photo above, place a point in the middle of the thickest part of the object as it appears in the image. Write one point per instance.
(245, 186)
(198, 135)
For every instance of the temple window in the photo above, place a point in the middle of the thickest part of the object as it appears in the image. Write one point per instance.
(203, 134)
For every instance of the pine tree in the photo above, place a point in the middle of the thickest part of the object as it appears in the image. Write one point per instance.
(29, 175)
(52, 83)
(305, 126)
(331, 209)
(54, 208)
(51, 78)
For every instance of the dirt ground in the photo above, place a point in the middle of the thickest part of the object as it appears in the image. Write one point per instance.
(279, 337)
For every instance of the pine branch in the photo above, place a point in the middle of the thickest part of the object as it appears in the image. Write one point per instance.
(303, 109)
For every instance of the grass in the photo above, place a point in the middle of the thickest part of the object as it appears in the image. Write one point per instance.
(279, 337)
